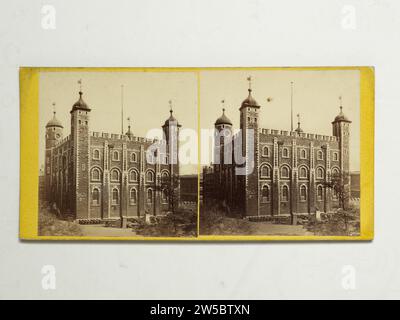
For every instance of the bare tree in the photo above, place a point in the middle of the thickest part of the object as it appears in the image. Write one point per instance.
(339, 183)
(169, 187)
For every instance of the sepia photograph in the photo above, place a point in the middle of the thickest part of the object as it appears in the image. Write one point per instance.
(197, 153)
(284, 156)
(109, 146)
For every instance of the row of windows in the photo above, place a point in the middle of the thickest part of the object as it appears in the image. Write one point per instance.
(303, 153)
(265, 172)
(115, 156)
(133, 175)
(115, 198)
(303, 194)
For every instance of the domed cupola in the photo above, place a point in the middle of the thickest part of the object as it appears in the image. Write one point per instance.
(249, 101)
(223, 119)
(171, 117)
(80, 104)
(299, 129)
(54, 122)
(341, 116)
(54, 130)
(129, 132)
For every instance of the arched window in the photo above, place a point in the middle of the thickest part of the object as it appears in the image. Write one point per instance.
(115, 155)
(284, 172)
(285, 193)
(335, 195)
(133, 176)
(320, 155)
(114, 175)
(303, 174)
(133, 157)
(335, 172)
(320, 173)
(285, 153)
(265, 197)
(265, 151)
(96, 176)
(164, 196)
(303, 193)
(115, 196)
(303, 154)
(149, 196)
(265, 171)
(164, 176)
(132, 196)
(320, 193)
(96, 196)
(150, 176)
(335, 156)
(96, 154)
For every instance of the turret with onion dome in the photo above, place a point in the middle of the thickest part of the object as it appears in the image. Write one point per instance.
(298, 129)
(341, 116)
(223, 119)
(80, 104)
(171, 119)
(249, 112)
(54, 130)
(54, 122)
(249, 101)
(171, 122)
(129, 133)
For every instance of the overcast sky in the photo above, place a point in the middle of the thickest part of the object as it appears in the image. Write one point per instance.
(146, 95)
(315, 98)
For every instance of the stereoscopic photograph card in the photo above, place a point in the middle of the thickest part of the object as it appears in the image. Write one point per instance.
(197, 154)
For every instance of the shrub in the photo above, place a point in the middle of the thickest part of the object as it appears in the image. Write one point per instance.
(181, 223)
(50, 225)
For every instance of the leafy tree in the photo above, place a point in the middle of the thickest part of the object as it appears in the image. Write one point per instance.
(339, 183)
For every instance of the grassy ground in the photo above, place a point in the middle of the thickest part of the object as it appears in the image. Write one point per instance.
(50, 225)
(214, 221)
(338, 223)
(217, 220)
(181, 223)
(236, 226)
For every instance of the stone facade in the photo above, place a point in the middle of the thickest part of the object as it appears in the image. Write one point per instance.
(288, 171)
(100, 176)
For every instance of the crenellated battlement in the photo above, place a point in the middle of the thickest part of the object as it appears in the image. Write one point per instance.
(303, 135)
(116, 136)
(62, 141)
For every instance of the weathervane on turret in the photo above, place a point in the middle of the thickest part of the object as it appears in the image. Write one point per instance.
(80, 85)
(249, 80)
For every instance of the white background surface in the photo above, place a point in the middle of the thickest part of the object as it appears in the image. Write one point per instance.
(203, 33)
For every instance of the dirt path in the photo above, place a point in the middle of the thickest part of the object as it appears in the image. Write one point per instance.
(102, 231)
(265, 228)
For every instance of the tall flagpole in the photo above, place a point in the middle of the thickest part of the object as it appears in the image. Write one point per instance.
(291, 106)
(122, 109)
